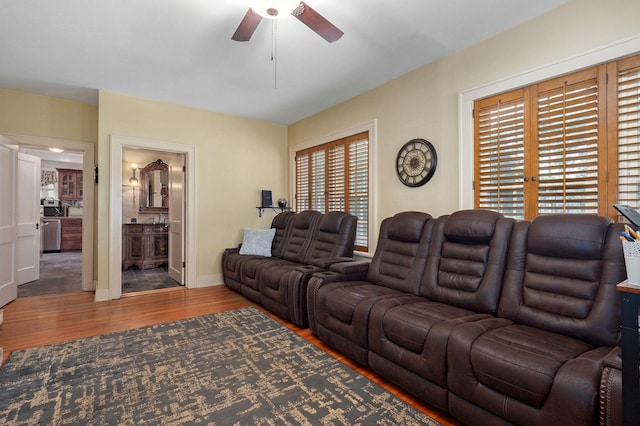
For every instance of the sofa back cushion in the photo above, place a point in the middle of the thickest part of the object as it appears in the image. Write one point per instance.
(561, 277)
(303, 229)
(467, 260)
(281, 223)
(400, 257)
(335, 237)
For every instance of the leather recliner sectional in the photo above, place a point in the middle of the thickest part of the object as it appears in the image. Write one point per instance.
(492, 320)
(304, 243)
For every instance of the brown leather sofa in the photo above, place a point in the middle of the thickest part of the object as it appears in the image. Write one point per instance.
(304, 243)
(494, 321)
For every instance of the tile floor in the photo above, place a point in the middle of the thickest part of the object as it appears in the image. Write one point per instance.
(62, 273)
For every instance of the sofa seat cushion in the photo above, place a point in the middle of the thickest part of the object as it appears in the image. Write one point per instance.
(342, 315)
(271, 277)
(251, 268)
(413, 332)
(343, 303)
(515, 371)
(522, 361)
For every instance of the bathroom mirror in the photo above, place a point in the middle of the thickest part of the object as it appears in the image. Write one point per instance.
(154, 187)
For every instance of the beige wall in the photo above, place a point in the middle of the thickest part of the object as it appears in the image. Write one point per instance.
(45, 117)
(235, 159)
(424, 103)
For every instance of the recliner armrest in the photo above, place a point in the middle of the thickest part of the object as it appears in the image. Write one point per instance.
(326, 262)
(357, 266)
(231, 250)
(614, 358)
(309, 269)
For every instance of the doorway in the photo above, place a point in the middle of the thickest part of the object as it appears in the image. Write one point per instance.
(149, 246)
(181, 226)
(67, 266)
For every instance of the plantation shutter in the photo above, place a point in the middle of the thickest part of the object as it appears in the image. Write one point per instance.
(336, 197)
(302, 182)
(499, 156)
(359, 189)
(568, 140)
(318, 181)
(628, 131)
(335, 177)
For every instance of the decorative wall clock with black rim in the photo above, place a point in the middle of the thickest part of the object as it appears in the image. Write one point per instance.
(416, 162)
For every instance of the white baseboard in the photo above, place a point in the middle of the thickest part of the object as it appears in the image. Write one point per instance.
(209, 281)
(102, 295)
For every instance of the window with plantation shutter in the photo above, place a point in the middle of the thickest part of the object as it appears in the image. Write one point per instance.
(335, 177)
(628, 131)
(566, 145)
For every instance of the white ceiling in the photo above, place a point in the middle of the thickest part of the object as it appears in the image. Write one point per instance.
(180, 51)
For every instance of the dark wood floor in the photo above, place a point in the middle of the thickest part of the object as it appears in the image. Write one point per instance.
(40, 320)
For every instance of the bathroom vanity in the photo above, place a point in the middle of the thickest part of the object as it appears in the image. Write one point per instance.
(145, 245)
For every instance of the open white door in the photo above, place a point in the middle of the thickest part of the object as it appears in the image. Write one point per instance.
(176, 222)
(8, 233)
(28, 218)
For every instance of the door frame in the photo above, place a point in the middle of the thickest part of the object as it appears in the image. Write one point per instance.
(115, 206)
(88, 197)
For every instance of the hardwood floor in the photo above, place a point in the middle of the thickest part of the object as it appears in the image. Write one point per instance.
(41, 320)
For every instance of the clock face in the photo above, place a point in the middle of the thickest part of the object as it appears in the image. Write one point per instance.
(416, 162)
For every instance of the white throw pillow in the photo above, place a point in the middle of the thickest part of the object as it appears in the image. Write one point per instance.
(257, 241)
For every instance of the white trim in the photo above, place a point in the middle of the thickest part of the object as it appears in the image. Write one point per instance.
(88, 189)
(372, 128)
(115, 213)
(466, 99)
(210, 281)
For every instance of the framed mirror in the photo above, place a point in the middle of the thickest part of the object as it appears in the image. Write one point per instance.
(154, 187)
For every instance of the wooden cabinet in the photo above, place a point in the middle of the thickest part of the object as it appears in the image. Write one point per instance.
(145, 246)
(70, 184)
(70, 233)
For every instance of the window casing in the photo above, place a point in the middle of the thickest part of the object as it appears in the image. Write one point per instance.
(335, 177)
(565, 145)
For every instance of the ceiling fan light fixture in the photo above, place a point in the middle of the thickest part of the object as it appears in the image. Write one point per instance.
(273, 8)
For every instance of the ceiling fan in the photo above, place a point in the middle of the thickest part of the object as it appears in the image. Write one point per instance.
(272, 8)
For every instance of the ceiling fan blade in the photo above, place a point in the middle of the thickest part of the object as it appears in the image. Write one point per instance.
(247, 26)
(317, 22)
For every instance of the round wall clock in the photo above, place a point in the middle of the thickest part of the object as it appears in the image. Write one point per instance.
(416, 162)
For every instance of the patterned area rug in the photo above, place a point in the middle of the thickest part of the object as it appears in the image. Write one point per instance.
(237, 367)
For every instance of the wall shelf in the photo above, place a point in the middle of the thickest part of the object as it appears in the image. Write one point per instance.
(274, 208)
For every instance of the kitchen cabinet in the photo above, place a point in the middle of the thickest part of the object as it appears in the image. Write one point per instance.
(69, 184)
(144, 245)
(70, 233)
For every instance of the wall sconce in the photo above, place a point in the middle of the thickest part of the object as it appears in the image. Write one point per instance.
(133, 180)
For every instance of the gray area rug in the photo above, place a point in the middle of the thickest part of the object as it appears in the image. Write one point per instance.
(238, 367)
